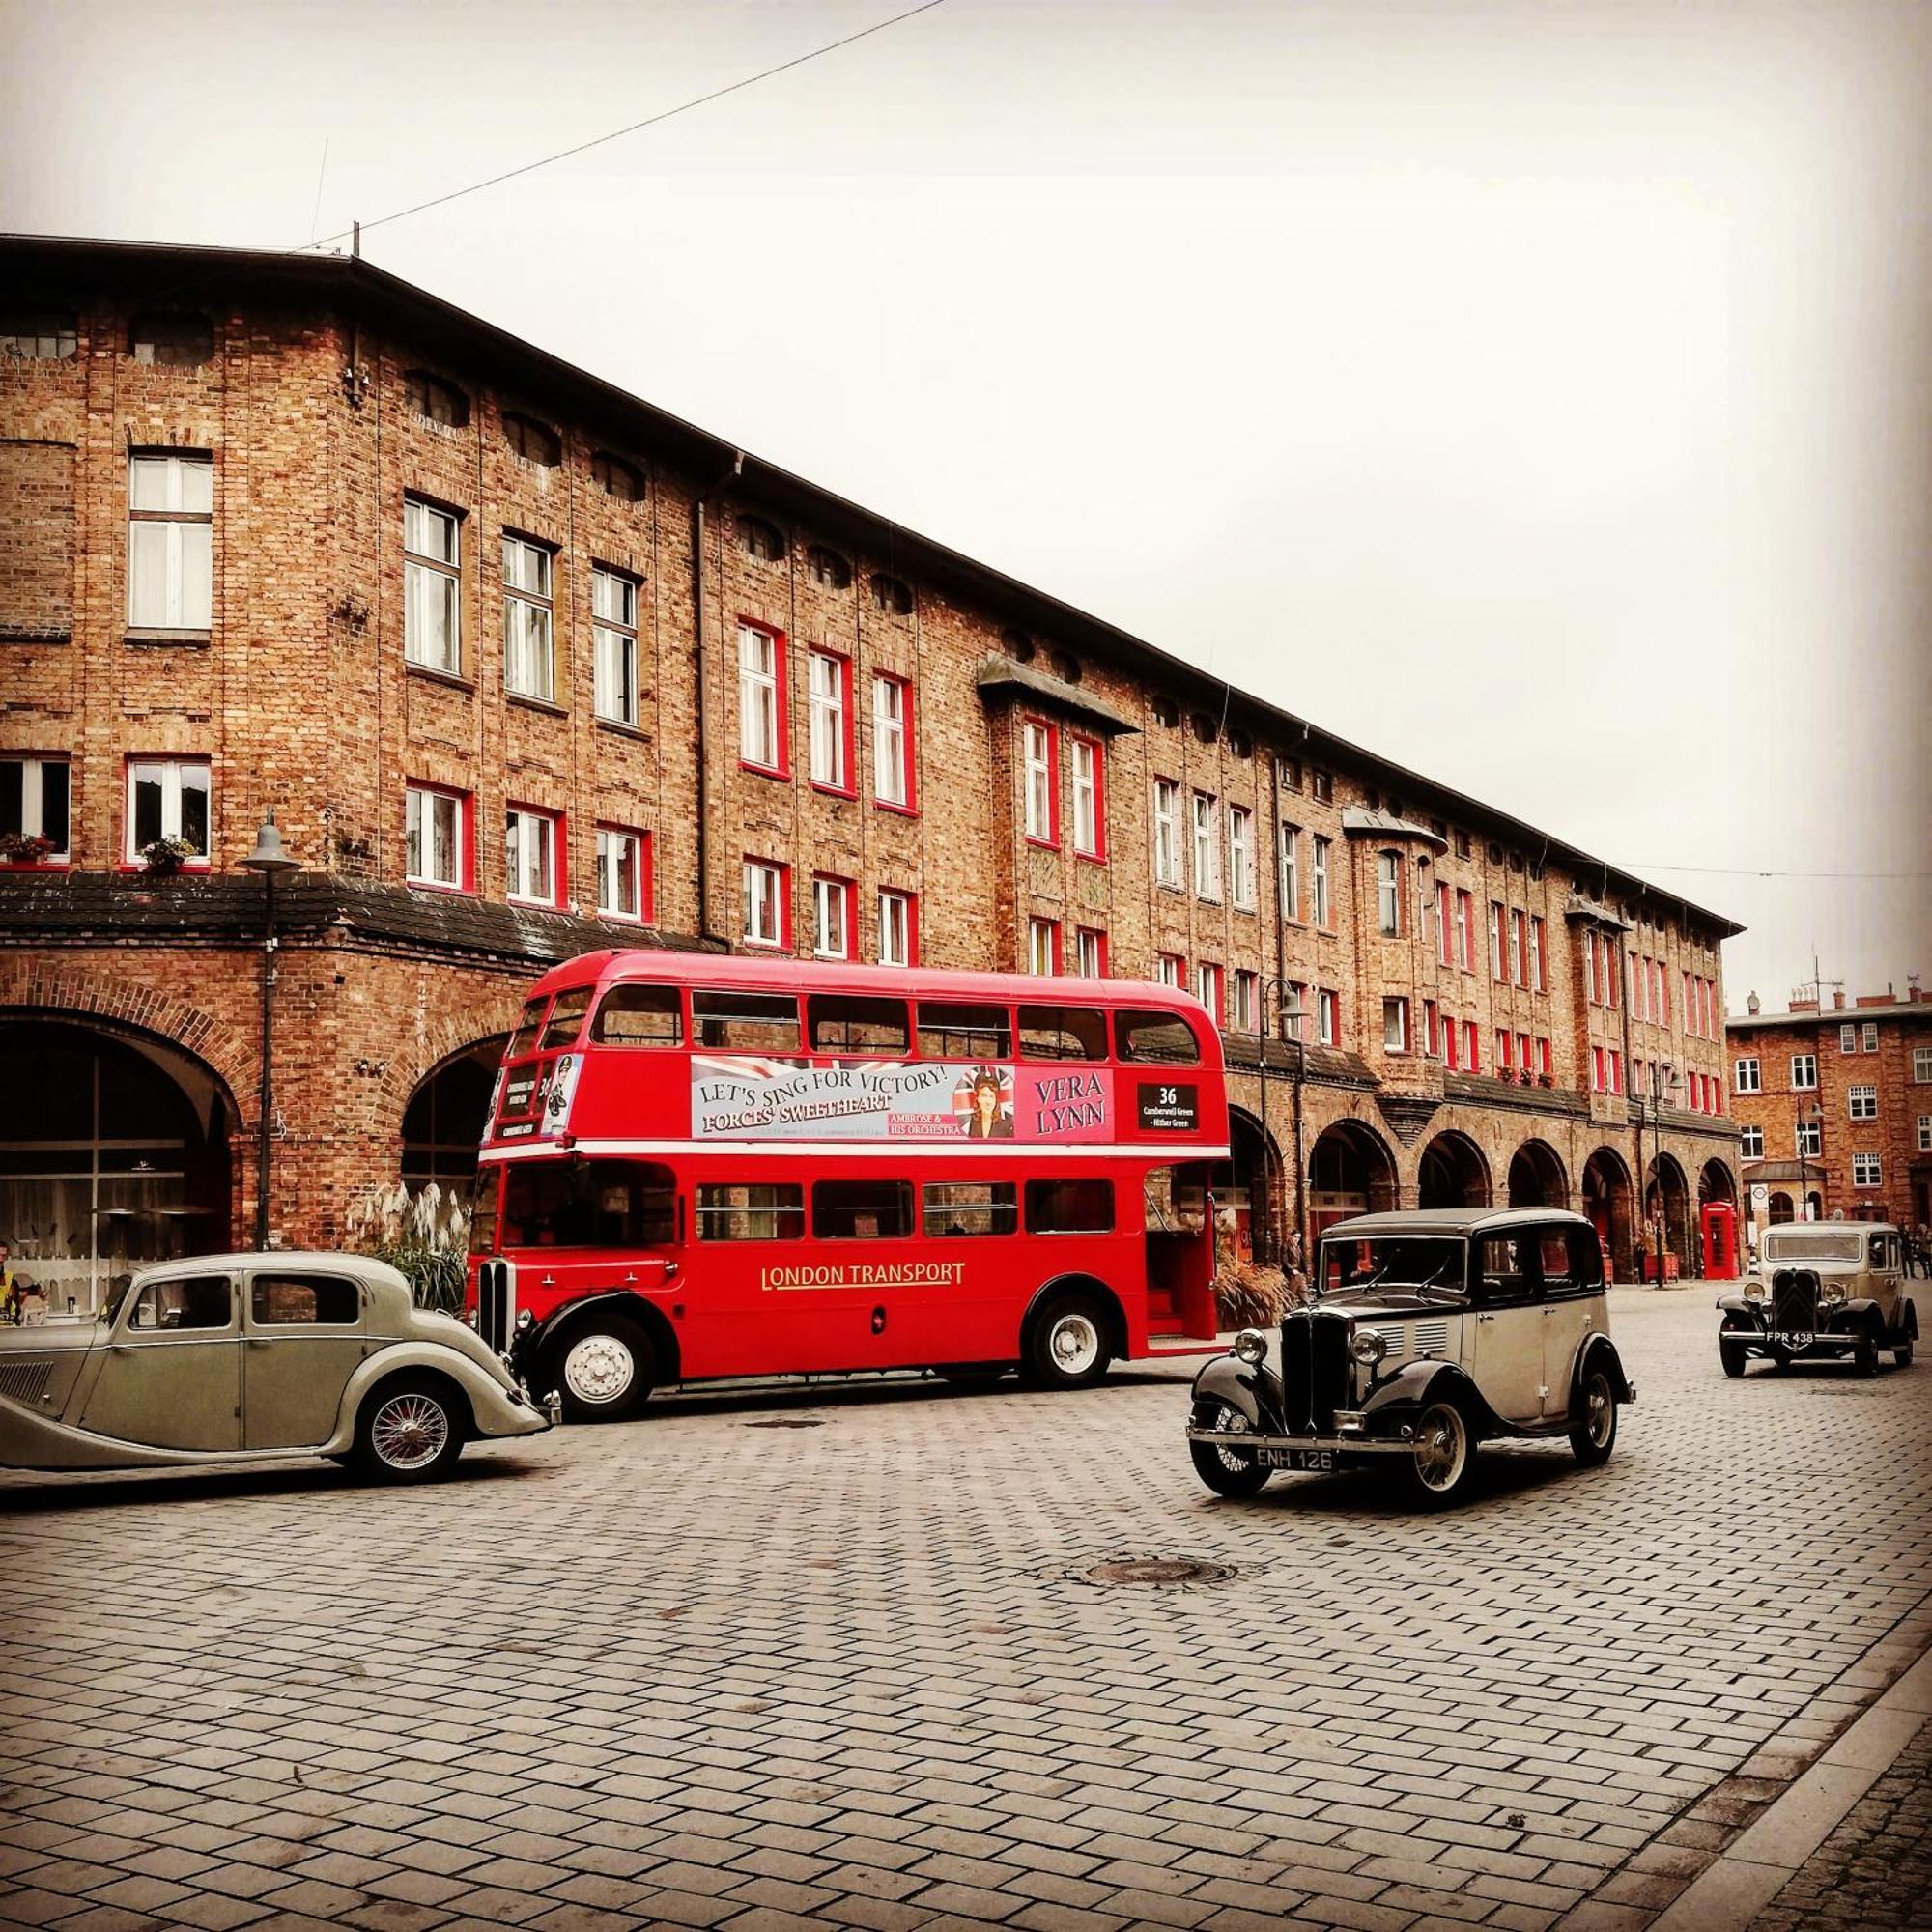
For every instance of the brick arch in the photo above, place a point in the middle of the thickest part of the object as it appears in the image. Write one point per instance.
(49, 990)
(434, 1043)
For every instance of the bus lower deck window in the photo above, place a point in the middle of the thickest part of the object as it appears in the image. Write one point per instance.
(734, 1211)
(861, 1210)
(1162, 1038)
(971, 1207)
(1062, 1033)
(964, 1031)
(638, 1016)
(752, 1022)
(1069, 1206)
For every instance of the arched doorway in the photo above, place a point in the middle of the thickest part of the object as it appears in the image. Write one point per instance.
(1780, 1209)
(1536, 1176)
(1667, 1197)
(115, 1154)
(1716, 1182)
(442, 1124)
(1606, 1200)
(1452, 1173)
(1246, 1193)
(1350, 1171)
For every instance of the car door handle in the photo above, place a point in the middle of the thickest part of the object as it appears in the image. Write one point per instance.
(1486, 1317)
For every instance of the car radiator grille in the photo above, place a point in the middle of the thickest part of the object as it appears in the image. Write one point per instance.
(1314, 1369)
(25, 1382)
(496, 1304)
(1795, 1302)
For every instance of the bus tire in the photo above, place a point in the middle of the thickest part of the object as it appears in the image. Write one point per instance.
(602, 1369)
(1066, 1347)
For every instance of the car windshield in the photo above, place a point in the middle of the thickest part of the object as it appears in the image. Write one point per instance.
(1428, 1262)
(1814, 1244)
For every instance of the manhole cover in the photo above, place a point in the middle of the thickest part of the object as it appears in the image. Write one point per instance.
(787, 1422)
(1156, 1570)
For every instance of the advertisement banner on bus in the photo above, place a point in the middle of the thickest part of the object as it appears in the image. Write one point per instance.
(746, 1099)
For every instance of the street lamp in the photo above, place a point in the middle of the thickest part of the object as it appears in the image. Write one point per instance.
(1811, 1116)
(270, 861)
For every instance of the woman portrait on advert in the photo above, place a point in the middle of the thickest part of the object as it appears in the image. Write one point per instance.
(984, 1120)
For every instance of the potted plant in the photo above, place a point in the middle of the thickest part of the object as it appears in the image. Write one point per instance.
(162, 858)
(24, 848)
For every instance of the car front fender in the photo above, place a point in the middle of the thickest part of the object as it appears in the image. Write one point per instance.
(493, 1409)
(1736, 1304)
(1252, 1390)
(1417, 1383)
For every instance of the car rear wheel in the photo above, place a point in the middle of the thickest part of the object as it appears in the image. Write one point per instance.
(410, 1431)
(1067, 1348)
(1438, 1470)
(1595, 1432)
(1733, 1356)
(1227, 1471)
(602, 1369)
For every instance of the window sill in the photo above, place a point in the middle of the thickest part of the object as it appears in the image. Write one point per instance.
(763, 945)
(621, 729)
(455, 680)
(136, 869)
(897, 810)
(531, 905)
(525, 701)
(191, 639)
(26, 634)
(1172, 886)
(847, 792)
(1043, 844)
(440, 885)
(765, 772)
(1091, 858)
(38, 866)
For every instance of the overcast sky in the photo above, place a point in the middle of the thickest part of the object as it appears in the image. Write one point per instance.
(1538, 393)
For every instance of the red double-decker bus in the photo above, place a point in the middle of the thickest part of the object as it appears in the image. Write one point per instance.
(700, 1166)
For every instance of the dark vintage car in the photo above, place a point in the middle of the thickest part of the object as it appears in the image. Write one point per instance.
(1821, 1289)
(245, 1357)
(1429, 1333)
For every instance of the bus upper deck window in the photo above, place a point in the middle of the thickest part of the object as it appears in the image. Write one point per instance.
(848, 1023)
(566, 1017)
(1165, 1038)
(753, 1022)
(527, 1028)
(630, 1015)
(948, 1031)
(1062, 1033)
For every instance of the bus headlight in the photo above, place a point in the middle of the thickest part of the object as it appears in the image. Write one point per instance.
(524, 1320)
(1251, 1345)
(1367, 1346)
(469, 1316)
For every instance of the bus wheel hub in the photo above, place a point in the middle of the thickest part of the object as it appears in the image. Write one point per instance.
(598, 1368)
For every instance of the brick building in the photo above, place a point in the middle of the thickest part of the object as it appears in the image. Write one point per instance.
(1835, 1107)
(526, 667)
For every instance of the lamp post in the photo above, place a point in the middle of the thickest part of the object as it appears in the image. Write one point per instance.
(1809, 1116)
(270, 861)
(1663, 1085)
(1273, 988)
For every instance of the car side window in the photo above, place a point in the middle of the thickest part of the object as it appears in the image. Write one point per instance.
(303, 1301)
(1504, 1273)
(195, 1301)
(1553, 1253)
(1586, 1257)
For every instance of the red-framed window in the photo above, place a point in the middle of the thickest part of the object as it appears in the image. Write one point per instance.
(1088, 785)
(765, 735)
(1616, 1072)
(624, 883)
(1044, 943)
(1496, 941)
(898, 928)
(1598, 1071)
(36, 795)
(1170, 969)
(1039, 772)
(1472, 1049)
(1211, 989)
(1522, 1059)
(1546, 1065)
(1452, 1050)
(1538, 973)
(1505, 1058)
(835, 916)
(1466, 929)
(894, 763)
(767, 903)
(1518, 949)
(1328, 1016)
(439, 839)
(1244, 1000)
(1090, 952)
(828, 680)
(1395, 1026)
(536, 856)
(169, 798)
(1442, 922)
(1431, 1037)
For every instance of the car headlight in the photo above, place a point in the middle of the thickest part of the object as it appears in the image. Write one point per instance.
(1753, 1290)
(1251, 1345)
(1367, 1346)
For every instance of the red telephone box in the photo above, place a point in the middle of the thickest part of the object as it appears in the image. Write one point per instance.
(1721, 1241)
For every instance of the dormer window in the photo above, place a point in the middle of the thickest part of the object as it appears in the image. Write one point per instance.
(37, 336)
(534, 441)
(828, 569)
(1165, 711)
(618, 478)
(171, 341)
(437, 400)
(761, 540)
(1240, 744)
(893, 595)
(1016, 645)
(1206, 730)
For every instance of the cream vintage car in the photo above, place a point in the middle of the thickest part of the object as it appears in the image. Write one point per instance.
(1428, 1332)
(246, 1357)
(1821, 1289)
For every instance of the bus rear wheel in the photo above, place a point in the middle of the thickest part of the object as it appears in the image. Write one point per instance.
(1067, 1347)
(602, 1369)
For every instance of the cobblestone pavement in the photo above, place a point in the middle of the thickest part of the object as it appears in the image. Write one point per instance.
(1876, 1869)
(834, 1658)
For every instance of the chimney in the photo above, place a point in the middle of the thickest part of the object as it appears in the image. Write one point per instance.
(1838, 1001)
(1752, 1003)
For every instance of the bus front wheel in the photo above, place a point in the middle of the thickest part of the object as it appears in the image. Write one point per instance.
(1067, 1347)
(601, 1369)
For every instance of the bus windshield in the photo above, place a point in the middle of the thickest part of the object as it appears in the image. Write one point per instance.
(589, 1204)
(1401, 1260)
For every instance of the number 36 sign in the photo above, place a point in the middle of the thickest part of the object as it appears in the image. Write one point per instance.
(1167, 1106)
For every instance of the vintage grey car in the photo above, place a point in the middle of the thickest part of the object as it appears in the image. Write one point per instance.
(1428, 1332)
(1821, 1289)
(245, 1357)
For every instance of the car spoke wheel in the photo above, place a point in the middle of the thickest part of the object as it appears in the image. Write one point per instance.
(1067, 1348)
(1438, 1469)
(602, 1372)
(1595, 1432)
(408, 1431)
(1227, 1471)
